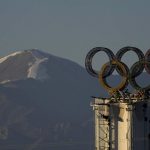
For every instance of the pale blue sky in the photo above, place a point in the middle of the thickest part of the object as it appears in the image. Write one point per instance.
(70, 28)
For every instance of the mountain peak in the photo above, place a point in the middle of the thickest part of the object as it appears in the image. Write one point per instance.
(24, 64)
(35, 64)
(36, 53)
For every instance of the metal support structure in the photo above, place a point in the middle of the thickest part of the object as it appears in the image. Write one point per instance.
(116, 122)
(102, 141)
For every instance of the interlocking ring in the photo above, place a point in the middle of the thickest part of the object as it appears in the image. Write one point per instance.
(140, 55)
(132, 79)
(128, 75)
(123, 68)
(89, 57)
(147, 58)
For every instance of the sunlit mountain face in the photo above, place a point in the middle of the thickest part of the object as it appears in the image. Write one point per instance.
(45, 103)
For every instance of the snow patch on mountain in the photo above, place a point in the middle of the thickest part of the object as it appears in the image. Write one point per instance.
(37, 70)
(5, 81)
(6, 57)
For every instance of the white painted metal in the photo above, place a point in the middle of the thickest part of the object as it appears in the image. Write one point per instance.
(101, 125)
(121, 125)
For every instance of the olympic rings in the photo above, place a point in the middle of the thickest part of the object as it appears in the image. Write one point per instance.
(139, 53)
(124, 81)
(89, 57)
(132, 79)
(128, 75)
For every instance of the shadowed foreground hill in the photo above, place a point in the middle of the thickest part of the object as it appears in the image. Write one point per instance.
(45, 103)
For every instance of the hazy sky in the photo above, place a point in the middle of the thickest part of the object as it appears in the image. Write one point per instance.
(70, 28)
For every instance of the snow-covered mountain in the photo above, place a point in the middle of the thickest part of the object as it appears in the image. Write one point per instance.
(37, 65)
(45, 100)
(27, 64)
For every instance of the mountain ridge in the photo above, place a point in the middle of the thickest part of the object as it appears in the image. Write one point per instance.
(32, 61)
(55, 110)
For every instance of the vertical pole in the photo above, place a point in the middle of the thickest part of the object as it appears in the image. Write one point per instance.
(145, 106)
(130, 126)
(112, 141)
(97, 136)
